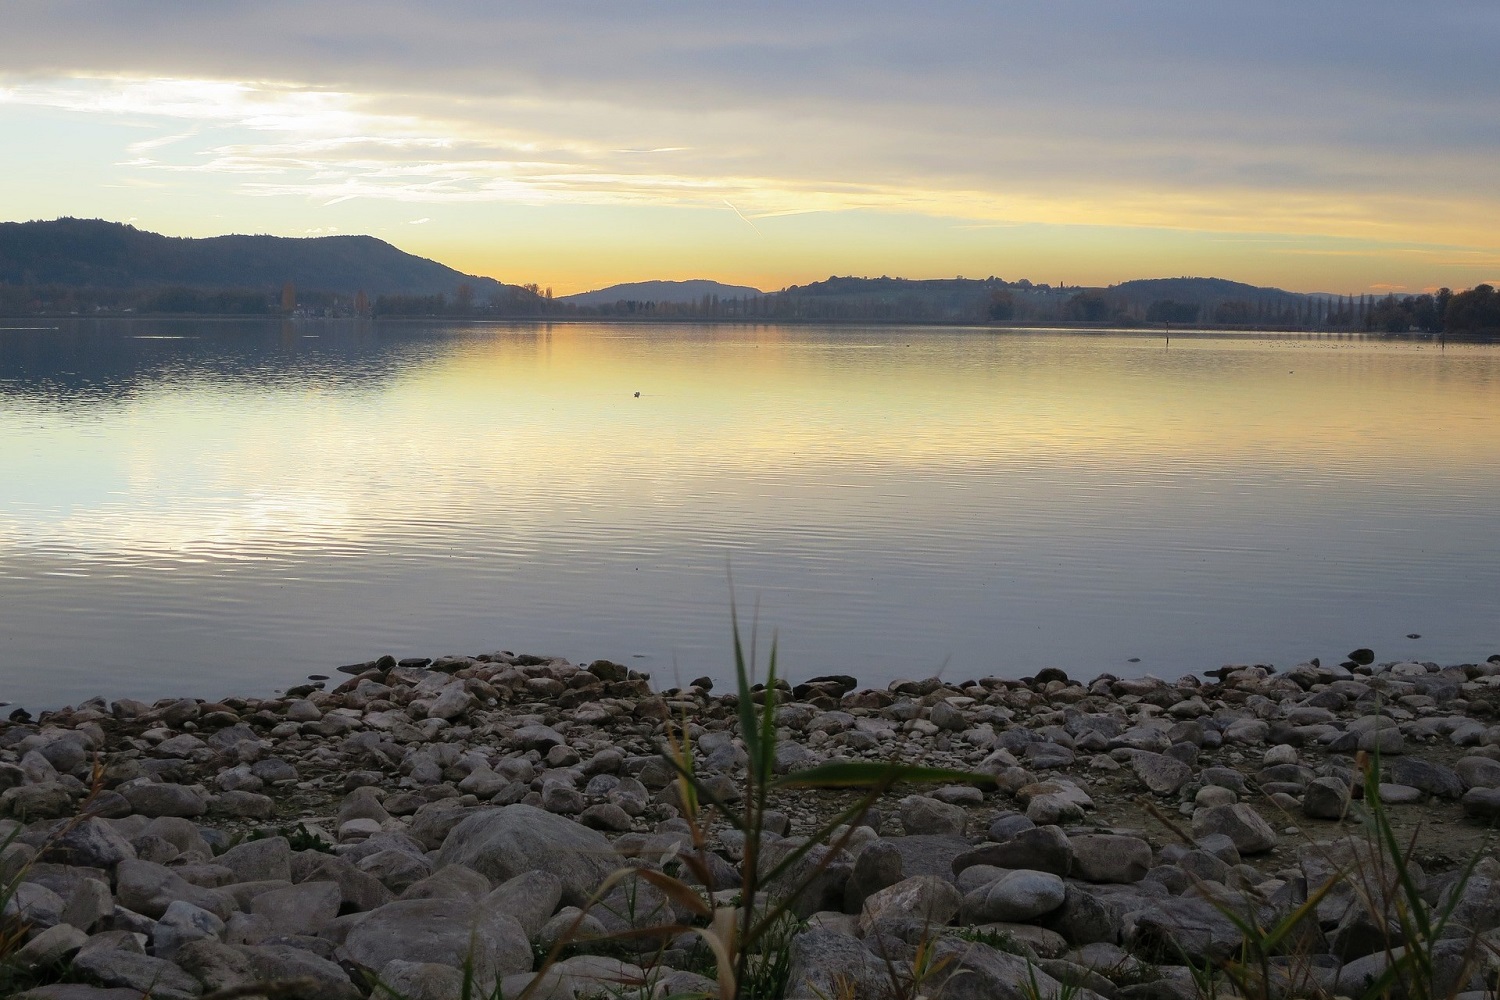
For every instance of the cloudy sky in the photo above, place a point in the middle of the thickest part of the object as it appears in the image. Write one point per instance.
(1336, 146)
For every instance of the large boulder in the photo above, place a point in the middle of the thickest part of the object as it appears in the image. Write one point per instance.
(165, 799)
(1162, 774)
(1042, 848)
(923, 815)
(149, 888)
(1016, 897)
(827, 963)
(972, 971)
(1103, 857)
(443, 932)
(926, 899)
(531, 897)
(1238, 822)
(503, 843)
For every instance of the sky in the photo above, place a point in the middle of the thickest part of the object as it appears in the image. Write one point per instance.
(1337, 146)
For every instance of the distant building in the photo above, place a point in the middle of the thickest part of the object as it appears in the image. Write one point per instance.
(288, 298)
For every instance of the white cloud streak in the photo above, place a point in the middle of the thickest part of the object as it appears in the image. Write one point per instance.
(1372, 121)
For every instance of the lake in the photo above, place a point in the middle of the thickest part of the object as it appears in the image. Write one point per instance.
(212, 508)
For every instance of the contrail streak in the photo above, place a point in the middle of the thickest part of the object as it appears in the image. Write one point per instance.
(744, 217)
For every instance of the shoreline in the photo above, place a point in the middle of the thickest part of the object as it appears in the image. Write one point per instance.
(1116, 796)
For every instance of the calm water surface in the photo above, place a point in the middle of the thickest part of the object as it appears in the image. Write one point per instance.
(214, 508)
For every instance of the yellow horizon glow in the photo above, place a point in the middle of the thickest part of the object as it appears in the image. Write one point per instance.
(530, 190)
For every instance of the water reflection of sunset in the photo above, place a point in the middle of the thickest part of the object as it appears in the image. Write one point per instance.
(894, 496)
(527, 419)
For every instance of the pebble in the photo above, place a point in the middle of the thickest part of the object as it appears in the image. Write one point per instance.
(500, 791)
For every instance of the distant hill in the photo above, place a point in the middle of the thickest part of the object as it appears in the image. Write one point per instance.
(1198, 291)
(676, 292)
(93, 254)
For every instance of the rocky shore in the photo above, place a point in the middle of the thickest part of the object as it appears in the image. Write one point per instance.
(424, 818)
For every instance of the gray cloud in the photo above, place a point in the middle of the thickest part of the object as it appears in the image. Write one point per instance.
(1380, 99)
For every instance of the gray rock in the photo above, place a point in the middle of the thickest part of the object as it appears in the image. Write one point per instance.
(243, 804)
(1326, 798)
(1479, 772)
(606, 816)
(48, 800)
(826, 963)
(875, 868)
(945, 716)
(929, 900)
(1451, 961)
(149, 889)
(580, 976)
(88, 904)
(569, 924)
(503, 843)
(1435, 779)
(921, 814)
(259, 860)
(400, 980)
(1240, 823)
(50, 947)
(1400, 795)
(134, 971)
(216, 965)
(972, 971)
(302, 909)
(91, 842)
(1100, 857)
(1385, 741)
(1482, 803)
(183, 834)
(443, 932)
(1043, 848)
(539, 738)
(1180, 926)
(1046, 756)
(1084, 918)
(396, 870)
(184, 922)
(78, 991)
(453, 882)
(815, 882)
(283, 963)
(359, 891)
(432, 823)
(531, 898)
(1007, 825)
(1162, 774)
(451, 704)
(1017, 897)
(164, 799)
(926, 854)
(563, 799)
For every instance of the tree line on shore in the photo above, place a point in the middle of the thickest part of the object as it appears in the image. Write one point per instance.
(1476, 310)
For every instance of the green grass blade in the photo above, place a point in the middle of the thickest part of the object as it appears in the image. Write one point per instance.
(749, 731)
